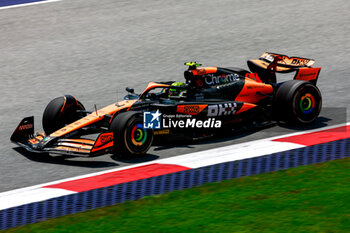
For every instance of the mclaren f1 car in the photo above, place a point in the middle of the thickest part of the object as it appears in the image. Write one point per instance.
(209, 100)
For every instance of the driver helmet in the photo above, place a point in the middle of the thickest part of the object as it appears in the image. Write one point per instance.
(177, 91)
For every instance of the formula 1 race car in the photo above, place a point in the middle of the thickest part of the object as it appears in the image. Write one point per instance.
(210, 100)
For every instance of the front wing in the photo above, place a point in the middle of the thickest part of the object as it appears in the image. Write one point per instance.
(40, 143)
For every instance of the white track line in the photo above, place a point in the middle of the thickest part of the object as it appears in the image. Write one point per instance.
(161, 160)
(230, 153)
(31, 196)
(192, 160)
(28, 4)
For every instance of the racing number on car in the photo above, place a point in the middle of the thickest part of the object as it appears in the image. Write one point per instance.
(222, 109)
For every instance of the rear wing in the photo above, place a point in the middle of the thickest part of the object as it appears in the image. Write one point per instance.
(285, 61)
(270, 63)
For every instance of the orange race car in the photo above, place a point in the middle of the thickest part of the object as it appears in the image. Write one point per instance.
(210, 100)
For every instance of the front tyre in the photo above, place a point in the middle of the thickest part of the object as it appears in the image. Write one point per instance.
(60, 112)
(298, 101)
(129, 136)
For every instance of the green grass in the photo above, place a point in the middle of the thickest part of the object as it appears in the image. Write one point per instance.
(313, 198)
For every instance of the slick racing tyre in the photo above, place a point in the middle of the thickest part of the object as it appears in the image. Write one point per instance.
(59, 112)
(298, 101)
(129, 136)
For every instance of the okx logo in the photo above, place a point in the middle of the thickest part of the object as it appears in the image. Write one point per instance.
(152, 120)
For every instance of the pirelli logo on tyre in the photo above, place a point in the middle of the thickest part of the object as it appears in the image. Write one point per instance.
(191, 109)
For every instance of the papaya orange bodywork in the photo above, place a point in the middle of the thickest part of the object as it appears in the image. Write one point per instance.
(80, 141)
(307, 74)
(108, 145)
(204, 70)
(265, 64)
(66, 148)
(290, 61)
(191, 109)
(74, 145)
(253, 91)
(93, 117)
(104, 141)
(37, 139)
(245, 107)
(152, 85)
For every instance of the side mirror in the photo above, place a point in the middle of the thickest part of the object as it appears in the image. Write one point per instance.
(130, 90)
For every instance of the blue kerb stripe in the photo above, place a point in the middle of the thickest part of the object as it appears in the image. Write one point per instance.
(17, 2)
(79, 202)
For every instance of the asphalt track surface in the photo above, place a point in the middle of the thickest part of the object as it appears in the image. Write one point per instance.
(93, 49)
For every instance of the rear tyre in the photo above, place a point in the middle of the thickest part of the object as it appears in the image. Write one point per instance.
(59, 112)
(298, 101)
(129, 136)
